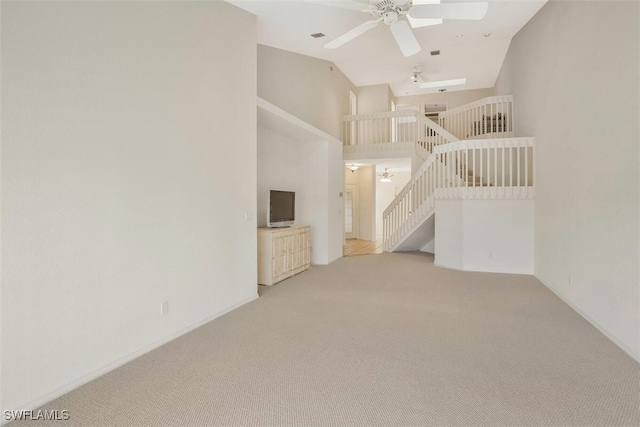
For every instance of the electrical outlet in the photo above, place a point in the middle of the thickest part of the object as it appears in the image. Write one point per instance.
(164, 307)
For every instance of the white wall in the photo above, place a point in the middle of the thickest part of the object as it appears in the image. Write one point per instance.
(498, 235)
(485, 235)
(118, 121)
(573, 71)
(312, 89)
(448, 245)
(374, 99)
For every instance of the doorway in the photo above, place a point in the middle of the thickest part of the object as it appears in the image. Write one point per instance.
(351, 211)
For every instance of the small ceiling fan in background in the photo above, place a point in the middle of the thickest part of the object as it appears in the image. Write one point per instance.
(386, 176)
(416, 74)
(418, 13)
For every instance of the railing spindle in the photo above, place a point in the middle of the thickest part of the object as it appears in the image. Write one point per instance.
(526, 166)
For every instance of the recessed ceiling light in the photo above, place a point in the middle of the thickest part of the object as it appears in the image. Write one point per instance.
(317, 35)
(442, 83)
(460, 36)
(487, 35)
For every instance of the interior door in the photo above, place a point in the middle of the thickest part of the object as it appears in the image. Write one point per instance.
(351, 211)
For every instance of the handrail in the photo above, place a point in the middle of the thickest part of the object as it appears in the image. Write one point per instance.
(486, 168)
(415, 202)
(380, 128)
(434, 134)
(381, 115)
(488, 117)
(491, 168)
(393, 131)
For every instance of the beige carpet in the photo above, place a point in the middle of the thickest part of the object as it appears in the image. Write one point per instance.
(377, 340)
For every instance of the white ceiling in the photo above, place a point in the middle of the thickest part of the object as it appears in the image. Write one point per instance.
(374, 58)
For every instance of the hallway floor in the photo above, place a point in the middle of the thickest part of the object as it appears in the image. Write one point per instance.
(361, 247)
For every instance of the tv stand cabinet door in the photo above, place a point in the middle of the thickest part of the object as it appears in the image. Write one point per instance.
(282, 253)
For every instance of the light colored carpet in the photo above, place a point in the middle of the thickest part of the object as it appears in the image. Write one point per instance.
(377, 340)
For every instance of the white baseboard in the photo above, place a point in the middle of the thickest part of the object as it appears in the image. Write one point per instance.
(589, 319)
(448, 267)
(41, 400)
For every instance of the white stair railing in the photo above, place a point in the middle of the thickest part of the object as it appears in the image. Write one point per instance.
(412, 205)
(380, 128)
(486, 118)
(493, 168)
(485, 168)
(434, 134)
(392, 131)
(384, 132)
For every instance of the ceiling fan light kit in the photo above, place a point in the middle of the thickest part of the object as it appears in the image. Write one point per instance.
(386, 176)
(418, 13)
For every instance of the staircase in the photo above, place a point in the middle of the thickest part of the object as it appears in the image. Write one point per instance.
(470, 154)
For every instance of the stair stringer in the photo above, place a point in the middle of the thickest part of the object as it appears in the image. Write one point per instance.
(422, 234)
(413, 210)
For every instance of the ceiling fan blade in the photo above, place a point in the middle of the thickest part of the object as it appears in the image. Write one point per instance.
(343, 4)
(350, 35)
(404, 37)
(419, 23)
(474, 11)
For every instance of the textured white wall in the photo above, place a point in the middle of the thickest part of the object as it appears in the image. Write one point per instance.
(122, 126)
(573, 71)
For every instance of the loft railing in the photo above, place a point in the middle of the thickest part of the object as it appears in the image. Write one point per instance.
(491, 168)
(380, 128)
(487, 118)
(496, 168)
(394, 130)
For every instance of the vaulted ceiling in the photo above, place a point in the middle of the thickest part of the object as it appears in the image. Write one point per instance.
(468, 49)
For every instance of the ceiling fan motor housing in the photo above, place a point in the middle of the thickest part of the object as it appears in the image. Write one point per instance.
(390, 17)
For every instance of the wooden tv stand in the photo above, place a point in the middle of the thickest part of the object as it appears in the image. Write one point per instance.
(282, 252)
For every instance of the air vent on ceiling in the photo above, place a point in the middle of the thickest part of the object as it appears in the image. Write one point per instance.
(435, 52)
(317, 35)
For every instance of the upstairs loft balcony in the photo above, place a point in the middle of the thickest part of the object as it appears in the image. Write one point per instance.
(407, 132)
(392, 134)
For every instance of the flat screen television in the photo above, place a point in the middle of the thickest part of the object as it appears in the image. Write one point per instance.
(282, 208)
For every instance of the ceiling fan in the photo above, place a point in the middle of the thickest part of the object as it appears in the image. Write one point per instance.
(416, 74)
(386, 176)
(418, 13)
